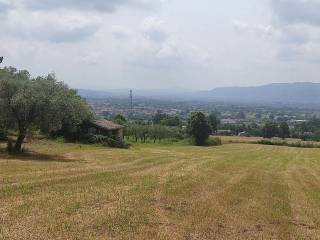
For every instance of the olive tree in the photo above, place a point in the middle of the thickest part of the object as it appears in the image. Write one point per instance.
(41, 102)
(198, 128)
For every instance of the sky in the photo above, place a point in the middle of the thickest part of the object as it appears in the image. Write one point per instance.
(163, 44)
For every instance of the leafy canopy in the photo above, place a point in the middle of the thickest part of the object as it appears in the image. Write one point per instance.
(40, 102)
(198, 128)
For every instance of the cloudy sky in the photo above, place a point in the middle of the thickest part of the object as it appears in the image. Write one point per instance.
(141, 44)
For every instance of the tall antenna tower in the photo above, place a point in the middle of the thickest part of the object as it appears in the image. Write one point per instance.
(131, 102)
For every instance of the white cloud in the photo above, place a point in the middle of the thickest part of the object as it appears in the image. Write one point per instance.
(297, 11)
(153, 28)
(121, 32)
(240, 26)
(59, 26)
(115, 43)
(4, 7)
(152, 45)
(262, 30)
(298, 21)
(259, 29)
(87, 5)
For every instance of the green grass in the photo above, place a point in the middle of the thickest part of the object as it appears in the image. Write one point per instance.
(160, 191)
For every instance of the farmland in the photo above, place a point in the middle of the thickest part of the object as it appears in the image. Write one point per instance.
(158, 191)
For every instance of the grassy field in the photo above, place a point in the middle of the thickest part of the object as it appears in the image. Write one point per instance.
(234, 191)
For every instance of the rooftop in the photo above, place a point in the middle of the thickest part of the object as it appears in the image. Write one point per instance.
(108, 125)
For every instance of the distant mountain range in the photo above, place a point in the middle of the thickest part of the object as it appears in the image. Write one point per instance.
(124, 93)
(276, 92)
(305, 92)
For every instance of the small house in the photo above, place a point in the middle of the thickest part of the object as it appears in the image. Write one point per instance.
(107, 128)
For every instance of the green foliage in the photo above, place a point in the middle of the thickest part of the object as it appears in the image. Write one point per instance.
(214, 122)
(214, 141)
(309, 130)
(270, 130)
(251, 128)
(3, 133)
(198, 128)
(315, 136)
(120, 119)
(284, 131)
(107, 141)
(298, 144)
(158, 117)
(144, 132)
(172, 121)
(40, 102)
(166, 120)
(73, 132)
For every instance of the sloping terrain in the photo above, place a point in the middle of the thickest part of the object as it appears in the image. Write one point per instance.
(235, 191)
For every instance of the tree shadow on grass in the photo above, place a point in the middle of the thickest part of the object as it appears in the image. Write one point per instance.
(35, 156)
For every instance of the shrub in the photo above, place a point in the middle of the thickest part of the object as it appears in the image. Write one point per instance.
(215, 141)
(116, 144)
(94, 139)
(299, 144)
(272, 142)
(198, 128)
(107, 141)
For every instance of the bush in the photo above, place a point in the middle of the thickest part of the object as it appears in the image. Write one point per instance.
(272, 142)
(107, 141)
(299, 144)
(198, 128)
(216, 141)
(95, 139)
(116, 144)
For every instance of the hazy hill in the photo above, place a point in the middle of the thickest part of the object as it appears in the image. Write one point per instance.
(272, 93)
(276, 92)
(137, 93)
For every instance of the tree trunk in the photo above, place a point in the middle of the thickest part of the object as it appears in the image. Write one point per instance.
(19, 142)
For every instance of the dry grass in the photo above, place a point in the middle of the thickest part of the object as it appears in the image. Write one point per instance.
(238, 139)
(234, 191)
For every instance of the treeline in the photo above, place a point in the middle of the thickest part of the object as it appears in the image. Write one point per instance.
(154, 132)
(271, 129)
(306, 130)
(197, 128)
(166, 120)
